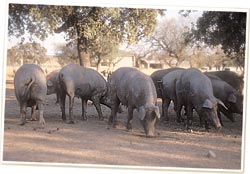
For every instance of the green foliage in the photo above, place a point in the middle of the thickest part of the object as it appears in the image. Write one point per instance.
(93, 28)
(227, 29)
(31, 52)
(66, 54)
(29, 18)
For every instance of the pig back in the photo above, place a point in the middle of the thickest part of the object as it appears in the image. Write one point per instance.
(82, 81)
(30, 83)
(158, 75)
(169, 83)
(232, 78)
(197, 83)
(133, 87)
(194, 88)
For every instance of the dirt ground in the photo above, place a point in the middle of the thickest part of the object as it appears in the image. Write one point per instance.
(94, 142)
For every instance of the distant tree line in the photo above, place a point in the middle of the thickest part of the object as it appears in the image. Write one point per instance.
(217, 39)
(31, 52)
(94, 34)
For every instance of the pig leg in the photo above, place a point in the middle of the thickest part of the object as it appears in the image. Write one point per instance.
(96, 101)
(114, 109)
(178, 110)
(62, 105)
(84, 109)
(165, 105)
(189, 117)
(130, 117)
(71, 104)
(179, 117)
(41, 118)
(57, 97)
(163, 109)
(33, 113)
(23, 108)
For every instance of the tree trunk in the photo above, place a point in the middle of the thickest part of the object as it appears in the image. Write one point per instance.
(98, 64)
(82, 50)
(83, 55)
(84, 58)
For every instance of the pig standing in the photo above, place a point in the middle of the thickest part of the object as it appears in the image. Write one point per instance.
(232, 78)
(53, 84)
(30, 90)
(194, 90)
(232, 99)
(135, 90)
(169, 92)
(85, 83)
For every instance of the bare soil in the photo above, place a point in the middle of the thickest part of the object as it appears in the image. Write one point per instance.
(95, 142)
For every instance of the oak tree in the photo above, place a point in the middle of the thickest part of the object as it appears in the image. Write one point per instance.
(83, 24)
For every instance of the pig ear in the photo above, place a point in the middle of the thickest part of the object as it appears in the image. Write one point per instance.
(232, 98)
(141, 113)
(221, 103)
(49, 83)
(207, 104)
(157, 112)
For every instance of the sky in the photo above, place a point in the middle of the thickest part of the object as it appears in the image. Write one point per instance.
(53, 40)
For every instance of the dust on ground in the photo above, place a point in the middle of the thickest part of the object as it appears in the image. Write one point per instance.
(95, 142)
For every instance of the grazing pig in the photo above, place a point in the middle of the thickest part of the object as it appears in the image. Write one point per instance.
(169, 91)
(157, 79)
(53, 84)
(30, 90)
(194, 90)
(232, 99)
(85, 83)
(232, 78)
(135, 90)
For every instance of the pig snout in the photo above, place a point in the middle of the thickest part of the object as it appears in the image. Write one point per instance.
(218, 126)
(215, 120)
(150, 134)
(149, 128)
(217, 123)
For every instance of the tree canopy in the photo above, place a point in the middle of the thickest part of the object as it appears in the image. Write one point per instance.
(227, 29)
(31, 52)
(88, 26)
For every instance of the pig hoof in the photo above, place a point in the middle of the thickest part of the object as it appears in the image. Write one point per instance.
(190, 130)
(101, 118)
(33, 119)
(129, 127)
(22, 124)
(71, 122)
(114, 125)
(42, 123)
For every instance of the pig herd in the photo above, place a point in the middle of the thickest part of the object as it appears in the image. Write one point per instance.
(210, 94)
